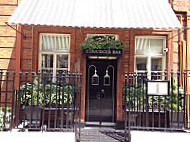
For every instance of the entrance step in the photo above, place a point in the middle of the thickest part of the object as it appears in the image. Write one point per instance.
(102, 124)
(102, 134)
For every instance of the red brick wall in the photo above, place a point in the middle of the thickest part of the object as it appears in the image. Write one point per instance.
(181, 5)
(180, 42)
(30, 49)
(7, 44)
(30, 46)
(7, 35)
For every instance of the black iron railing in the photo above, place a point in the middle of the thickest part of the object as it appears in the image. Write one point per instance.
(44, 102)
(36, 101)
(156, 101)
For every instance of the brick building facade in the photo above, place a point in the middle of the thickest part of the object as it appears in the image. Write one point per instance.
(24, 54)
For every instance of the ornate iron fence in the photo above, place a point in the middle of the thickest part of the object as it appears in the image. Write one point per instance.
(156, 101)
(40, 102)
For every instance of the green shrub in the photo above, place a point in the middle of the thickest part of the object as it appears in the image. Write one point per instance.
(30, 91)
(102, 42)
(7, 118)
(138, 91)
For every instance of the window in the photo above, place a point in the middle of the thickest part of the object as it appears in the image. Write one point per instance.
(149, 54)
(54, 53)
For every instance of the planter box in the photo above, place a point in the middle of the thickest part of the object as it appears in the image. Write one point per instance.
(36, 113)
(32, 115)
(173, 119)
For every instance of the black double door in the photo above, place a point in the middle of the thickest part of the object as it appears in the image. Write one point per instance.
(101, 89)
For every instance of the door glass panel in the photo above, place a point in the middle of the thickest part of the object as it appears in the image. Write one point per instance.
(141, 63)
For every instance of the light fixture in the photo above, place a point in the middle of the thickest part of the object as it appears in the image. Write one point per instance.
(95, 78)
(107, 79)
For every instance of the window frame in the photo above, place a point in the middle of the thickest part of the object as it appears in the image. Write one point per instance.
(54, 53)
(149, 56)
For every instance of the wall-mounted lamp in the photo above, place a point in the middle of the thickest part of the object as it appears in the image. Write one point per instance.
(107, 79)
(95, 78)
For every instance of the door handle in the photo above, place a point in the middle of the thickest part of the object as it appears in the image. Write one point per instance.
(102, 93)
(98, 95)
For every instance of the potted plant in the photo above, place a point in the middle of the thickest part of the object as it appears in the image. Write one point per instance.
(31, 100)
(37, 96)
(102, 42)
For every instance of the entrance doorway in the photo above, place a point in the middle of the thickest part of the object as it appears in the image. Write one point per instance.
(101, 78)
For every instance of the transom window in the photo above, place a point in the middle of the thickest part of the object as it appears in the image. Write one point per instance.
(149, 54)
(54, 53)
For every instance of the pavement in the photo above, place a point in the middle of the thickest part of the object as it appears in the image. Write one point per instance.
(101, 136)
(145, 136)
(37, 136)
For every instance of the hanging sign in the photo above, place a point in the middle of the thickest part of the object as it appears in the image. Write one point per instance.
(103, 52)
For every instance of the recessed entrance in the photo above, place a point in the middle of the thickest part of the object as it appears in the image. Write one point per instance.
(101, 78)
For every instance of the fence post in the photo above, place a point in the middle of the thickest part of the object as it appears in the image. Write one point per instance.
(13, 95)
(62, 101)
(7, 79)
(31, 99)
(38, 75)
(125, 104)
(73, 99)
(80, 107)
(171, 98)
(44, 98)
(147, 105)
(55, 116)
(129, 114)
(178, 97)
(68, 100)
(50, 94)
(184, 97)
(1, 77)
(76, 105)
(19, 98)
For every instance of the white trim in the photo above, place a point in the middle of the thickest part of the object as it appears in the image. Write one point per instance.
(53, 52)
(148, 56)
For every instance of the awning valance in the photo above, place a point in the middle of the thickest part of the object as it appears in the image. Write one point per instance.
(96, 13)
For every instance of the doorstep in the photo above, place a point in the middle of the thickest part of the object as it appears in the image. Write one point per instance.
(102, 124)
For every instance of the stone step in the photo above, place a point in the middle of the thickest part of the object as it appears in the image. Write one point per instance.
(102, 135)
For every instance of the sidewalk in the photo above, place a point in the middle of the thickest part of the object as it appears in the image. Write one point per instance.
(37, 136)
(136, 136)
(145, 136)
